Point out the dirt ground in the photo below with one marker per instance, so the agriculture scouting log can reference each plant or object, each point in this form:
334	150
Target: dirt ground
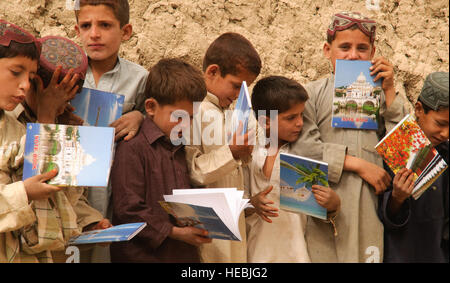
288	34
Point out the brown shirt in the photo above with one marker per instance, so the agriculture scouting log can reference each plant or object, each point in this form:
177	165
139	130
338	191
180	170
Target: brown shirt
144	169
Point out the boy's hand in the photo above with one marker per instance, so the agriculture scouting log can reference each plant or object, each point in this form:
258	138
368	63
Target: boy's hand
128	125
36	187
403	185
376	176
239	146
384	70
101	225
191	235
260	202
326	197
51	101
69	118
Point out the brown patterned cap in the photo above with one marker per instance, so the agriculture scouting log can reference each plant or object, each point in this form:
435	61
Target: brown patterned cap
60	51
344	20
10	32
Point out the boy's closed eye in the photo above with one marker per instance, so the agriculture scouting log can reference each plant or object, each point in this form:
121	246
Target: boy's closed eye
15	73
237	86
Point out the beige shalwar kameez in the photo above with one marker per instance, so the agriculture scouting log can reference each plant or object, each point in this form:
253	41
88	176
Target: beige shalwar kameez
283	240
212	165
360	237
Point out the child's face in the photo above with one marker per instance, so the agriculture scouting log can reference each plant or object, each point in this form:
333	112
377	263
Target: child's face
16	75
100	32
226	88
290	123
161	115
349	45
434	124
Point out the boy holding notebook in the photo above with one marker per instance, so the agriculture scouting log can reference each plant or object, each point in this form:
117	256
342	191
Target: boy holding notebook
25	211
213	162
355	169
151	165
102	26
275	235
417	230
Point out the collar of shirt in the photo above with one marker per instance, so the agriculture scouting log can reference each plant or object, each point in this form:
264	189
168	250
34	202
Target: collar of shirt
214	100
154	134
90	75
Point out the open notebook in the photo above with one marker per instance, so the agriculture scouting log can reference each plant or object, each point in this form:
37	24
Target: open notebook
215	210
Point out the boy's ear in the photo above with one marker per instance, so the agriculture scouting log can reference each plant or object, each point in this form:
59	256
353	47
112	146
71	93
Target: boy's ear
127	31
327	50
150	106
77	30
212	71
418	109
373	51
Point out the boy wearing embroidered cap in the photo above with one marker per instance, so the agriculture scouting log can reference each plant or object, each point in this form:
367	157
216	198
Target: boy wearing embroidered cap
417	230
19	54
47	102
355	169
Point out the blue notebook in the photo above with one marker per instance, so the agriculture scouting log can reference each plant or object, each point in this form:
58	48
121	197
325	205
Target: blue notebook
119	233
98	108
82	155
297	175
200	217
242	111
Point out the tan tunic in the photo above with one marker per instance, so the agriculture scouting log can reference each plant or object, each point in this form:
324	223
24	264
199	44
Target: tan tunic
15	211
77	196
213	166
283	240
360	236
74	198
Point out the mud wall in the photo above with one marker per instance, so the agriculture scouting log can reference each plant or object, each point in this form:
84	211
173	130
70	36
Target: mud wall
288	34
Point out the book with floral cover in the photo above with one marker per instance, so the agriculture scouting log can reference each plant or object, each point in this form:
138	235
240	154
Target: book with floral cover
297	176
406	146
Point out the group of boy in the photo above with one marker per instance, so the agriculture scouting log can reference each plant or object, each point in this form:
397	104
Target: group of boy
37	219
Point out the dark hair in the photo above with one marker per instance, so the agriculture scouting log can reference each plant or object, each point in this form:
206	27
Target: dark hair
277	93
120	8
15	49
172	80
232	51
